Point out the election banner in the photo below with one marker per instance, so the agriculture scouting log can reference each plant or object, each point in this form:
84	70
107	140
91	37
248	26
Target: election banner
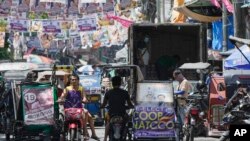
38	102
23	6
5	6
57	9
19	25
154	114
39	6
51	26
2	39
86	24
36	26
73	7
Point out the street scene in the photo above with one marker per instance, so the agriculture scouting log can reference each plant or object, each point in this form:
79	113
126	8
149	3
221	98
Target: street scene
124	70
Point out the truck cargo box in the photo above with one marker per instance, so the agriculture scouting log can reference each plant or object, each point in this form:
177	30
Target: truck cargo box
148	42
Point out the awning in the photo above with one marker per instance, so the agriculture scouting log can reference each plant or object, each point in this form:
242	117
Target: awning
197	65
200	10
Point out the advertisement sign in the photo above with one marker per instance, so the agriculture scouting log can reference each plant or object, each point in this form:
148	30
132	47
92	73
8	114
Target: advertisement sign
91	83
19	25
87	24
38	104
52	26
154	114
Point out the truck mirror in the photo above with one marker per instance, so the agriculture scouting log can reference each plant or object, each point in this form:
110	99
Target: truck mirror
221	87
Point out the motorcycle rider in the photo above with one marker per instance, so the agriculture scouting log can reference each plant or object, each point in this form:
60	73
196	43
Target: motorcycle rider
74	94
116	98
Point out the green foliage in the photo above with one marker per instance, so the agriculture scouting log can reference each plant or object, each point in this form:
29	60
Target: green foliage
44	15
3	23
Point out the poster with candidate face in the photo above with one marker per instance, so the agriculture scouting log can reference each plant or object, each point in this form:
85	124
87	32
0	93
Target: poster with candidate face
5	6
51	26
38	102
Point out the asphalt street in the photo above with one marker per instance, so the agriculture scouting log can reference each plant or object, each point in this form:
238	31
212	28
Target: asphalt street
100	133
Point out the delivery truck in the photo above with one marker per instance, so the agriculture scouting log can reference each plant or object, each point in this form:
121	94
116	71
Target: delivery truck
168	44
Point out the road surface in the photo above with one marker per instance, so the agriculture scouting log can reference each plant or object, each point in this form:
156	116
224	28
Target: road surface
100	133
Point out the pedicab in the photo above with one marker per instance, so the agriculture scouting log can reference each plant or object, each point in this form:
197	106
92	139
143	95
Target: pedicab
13	73
37	112
217	100
92	87
155	114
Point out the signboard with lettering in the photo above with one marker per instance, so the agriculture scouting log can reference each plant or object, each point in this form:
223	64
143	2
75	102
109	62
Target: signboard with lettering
154	115
38	102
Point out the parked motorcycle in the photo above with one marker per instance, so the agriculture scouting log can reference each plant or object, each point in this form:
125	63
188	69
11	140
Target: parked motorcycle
238	112
72	123
6	111
196	115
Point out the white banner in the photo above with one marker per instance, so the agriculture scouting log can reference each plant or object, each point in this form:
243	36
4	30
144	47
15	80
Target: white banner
87	24
92	1
19	25
51	26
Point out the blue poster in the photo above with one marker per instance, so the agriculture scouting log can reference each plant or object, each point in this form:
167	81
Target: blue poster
91	83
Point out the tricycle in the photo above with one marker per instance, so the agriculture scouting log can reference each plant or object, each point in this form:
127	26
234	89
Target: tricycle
38	113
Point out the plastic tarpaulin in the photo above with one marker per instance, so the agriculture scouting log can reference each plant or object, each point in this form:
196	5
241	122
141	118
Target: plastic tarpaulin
237	61
218	32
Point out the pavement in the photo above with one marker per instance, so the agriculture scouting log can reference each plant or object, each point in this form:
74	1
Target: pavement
100	134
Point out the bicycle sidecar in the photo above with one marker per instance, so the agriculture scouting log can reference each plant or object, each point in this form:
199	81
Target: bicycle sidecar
38	113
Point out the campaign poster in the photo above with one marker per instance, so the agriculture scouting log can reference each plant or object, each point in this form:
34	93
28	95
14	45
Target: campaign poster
73	7
66	25
36	26
5	6
2	39
38	105
101	37
86	39
57	9
91	83
33	42
108	9
23	6
154	115
19	25
87	24
92	8
46	39
51	26
39	6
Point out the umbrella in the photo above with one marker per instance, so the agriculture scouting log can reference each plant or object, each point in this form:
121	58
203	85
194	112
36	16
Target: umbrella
237	61
37	59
